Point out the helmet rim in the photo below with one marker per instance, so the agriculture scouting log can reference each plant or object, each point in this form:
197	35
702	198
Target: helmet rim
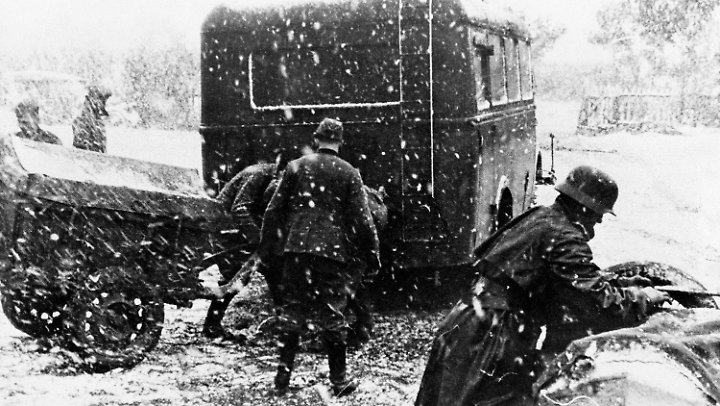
592	188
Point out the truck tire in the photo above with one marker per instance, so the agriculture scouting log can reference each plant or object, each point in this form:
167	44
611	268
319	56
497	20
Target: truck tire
663	274
34	317
116	322
30	305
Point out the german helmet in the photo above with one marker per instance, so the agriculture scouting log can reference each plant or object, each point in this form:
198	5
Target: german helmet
590	187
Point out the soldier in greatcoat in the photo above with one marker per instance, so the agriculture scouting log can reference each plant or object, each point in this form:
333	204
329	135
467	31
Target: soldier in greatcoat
89	127
28	116
317	213
536	280
245	197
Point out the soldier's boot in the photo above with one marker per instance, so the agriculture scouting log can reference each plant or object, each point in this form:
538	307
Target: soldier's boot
289	343
212	328
342	384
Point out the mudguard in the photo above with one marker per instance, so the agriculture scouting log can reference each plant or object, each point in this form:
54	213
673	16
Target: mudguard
672	359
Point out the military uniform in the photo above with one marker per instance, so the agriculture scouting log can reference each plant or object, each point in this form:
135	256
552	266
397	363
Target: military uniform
536	271
89	128
317	214
28	115
89	132
40	135
244	197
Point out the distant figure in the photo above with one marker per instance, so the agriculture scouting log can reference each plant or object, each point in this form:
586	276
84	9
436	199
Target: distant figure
28	116
88	127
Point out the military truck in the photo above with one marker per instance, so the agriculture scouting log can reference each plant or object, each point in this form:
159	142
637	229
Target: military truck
436	97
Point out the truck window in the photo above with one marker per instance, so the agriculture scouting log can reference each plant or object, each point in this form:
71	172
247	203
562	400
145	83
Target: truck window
497	69
512	69
526	85
324	76
481	70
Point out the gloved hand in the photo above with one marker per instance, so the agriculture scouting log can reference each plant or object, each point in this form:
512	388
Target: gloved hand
636	280
646	298
656	297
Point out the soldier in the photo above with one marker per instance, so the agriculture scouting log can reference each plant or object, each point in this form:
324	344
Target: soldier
318	210
89	128
28	116
245	198
536	271
358	302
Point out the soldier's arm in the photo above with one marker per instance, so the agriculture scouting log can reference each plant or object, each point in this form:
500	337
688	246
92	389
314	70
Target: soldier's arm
361	222
51	138
273	224
245	202
572	263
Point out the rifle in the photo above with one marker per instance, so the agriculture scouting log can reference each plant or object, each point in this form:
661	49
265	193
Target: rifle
690	291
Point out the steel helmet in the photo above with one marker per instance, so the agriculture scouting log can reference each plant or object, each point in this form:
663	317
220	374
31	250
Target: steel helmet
329	130
590	187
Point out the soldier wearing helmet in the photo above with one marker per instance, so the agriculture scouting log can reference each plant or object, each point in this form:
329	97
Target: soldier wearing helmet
537	290
317	220
28	116
88	127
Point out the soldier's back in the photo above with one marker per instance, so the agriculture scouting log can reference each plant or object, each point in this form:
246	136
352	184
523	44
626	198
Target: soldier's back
89	132
320	193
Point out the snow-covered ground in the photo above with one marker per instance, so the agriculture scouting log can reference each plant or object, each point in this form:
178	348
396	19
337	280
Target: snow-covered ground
178	148
668	211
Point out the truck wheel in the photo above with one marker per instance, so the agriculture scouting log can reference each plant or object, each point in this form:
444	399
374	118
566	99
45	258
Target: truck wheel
116	324
36	317
663	274
30	306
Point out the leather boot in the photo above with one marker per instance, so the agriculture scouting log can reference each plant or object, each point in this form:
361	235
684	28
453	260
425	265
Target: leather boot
289	343
341	384
213	327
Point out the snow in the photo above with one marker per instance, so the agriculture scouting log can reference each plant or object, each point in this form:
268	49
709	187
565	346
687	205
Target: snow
667	212
667	209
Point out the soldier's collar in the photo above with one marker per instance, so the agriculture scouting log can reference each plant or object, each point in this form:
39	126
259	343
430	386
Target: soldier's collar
328	151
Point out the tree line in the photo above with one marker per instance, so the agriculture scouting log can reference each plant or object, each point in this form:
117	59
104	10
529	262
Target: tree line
657	46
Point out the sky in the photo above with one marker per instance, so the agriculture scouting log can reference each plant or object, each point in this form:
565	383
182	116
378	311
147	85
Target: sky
579	18
36	25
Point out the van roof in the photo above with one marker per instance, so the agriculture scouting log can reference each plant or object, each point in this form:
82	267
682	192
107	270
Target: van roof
239	15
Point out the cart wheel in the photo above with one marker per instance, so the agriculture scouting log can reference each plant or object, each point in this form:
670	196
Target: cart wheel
662	274
36	317
31	306
115	326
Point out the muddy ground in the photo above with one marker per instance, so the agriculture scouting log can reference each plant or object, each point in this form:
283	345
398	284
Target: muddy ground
668	211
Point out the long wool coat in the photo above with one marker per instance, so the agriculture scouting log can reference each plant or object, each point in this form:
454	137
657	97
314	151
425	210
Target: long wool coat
537	289
320	208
